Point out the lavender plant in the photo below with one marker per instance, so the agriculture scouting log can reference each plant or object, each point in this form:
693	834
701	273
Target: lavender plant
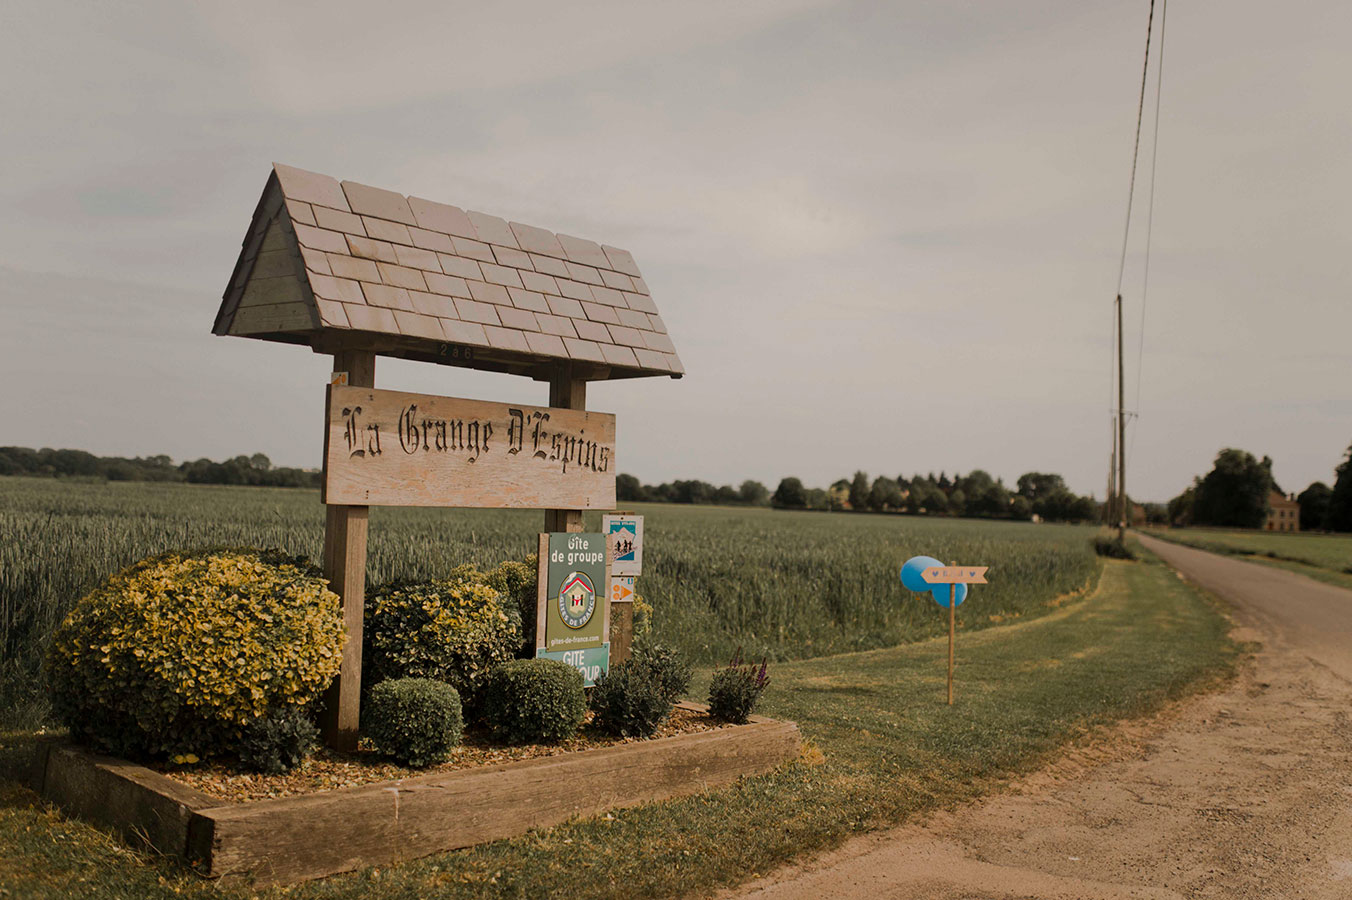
735	689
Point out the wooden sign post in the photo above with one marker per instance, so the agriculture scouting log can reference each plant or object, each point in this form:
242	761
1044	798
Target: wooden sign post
624	555
344	565
953	576
566	392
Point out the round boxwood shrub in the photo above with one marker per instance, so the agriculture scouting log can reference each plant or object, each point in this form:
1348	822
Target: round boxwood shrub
415	720
178	653
453	629
530	701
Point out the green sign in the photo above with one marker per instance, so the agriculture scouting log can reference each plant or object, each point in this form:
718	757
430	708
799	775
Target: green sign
591	662
576	606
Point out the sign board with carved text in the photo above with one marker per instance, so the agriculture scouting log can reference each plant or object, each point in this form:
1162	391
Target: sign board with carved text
955	575
391	448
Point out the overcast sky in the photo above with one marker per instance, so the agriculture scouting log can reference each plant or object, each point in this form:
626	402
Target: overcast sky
883	235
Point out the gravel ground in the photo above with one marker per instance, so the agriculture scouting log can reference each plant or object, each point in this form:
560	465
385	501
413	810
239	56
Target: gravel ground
328	770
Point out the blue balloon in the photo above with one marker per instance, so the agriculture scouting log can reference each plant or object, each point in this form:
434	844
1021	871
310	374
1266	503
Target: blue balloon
912	578
912	573
940	592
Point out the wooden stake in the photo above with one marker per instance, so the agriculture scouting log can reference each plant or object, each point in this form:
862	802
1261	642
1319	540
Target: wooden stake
952	627
345	529
622	646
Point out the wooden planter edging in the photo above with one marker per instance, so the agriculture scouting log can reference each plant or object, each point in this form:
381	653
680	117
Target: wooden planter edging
312	835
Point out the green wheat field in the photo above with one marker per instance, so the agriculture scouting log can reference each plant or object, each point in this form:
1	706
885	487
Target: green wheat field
787	585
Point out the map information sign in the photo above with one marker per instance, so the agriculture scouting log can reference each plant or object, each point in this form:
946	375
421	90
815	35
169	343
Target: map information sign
624	542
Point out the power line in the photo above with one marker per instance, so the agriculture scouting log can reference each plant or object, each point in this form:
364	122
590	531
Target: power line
1150	210
1136	148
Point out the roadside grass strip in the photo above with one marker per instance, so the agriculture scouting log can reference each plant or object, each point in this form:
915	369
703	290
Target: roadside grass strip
1323	557
882	748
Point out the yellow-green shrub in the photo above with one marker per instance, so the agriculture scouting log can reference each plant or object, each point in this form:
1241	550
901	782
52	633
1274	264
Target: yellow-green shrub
452	629
178	653
642	633
519	583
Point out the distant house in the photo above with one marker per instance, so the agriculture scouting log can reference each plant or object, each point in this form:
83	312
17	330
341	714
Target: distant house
1283	513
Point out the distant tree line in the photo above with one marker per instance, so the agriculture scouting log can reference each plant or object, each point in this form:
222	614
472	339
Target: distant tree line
49	463
974	494
1235	494
629	489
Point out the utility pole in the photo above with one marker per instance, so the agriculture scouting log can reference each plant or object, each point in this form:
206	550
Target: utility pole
1121	433
1110	499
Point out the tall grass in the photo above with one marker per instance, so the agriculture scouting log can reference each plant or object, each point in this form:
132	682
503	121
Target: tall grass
785	585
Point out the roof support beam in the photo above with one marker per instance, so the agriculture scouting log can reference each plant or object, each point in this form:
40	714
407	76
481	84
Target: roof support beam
566	391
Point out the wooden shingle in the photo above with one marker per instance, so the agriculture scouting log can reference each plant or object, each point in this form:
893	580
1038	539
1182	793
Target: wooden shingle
341	264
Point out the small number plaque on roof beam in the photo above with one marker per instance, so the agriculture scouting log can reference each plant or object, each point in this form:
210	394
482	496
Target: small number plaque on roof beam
390	448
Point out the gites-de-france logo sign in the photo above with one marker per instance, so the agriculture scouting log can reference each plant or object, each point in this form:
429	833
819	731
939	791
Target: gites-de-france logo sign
577	600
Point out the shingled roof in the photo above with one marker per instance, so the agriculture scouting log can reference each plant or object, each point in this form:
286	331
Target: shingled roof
334	264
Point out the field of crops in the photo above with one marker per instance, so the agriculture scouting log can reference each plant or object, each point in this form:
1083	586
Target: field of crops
783	584
1325	551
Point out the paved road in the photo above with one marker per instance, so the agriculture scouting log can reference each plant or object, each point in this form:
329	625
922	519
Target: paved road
1245	793
1289	610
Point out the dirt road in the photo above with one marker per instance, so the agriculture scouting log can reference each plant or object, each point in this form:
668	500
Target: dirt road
1246	793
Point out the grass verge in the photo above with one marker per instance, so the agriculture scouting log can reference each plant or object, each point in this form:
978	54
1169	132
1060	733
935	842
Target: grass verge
1326	565
884	748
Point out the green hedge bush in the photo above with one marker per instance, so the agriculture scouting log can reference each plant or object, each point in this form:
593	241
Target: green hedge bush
529	701
1111	547
453	630
628	702
735	690
636	696
277	741
179	653
415	720
667	666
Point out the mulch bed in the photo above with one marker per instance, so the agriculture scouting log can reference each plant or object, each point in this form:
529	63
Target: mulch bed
329	769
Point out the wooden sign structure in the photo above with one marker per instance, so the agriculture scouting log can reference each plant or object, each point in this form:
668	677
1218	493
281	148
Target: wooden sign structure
953	576
357	272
